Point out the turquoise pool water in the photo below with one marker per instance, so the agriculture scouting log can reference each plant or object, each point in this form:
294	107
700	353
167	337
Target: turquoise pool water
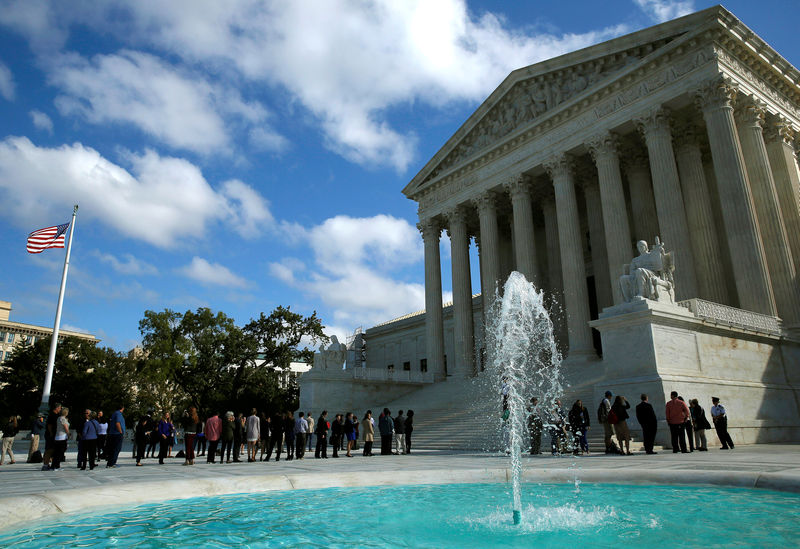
456	515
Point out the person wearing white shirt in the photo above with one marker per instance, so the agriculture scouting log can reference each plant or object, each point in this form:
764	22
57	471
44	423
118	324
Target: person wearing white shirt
720	419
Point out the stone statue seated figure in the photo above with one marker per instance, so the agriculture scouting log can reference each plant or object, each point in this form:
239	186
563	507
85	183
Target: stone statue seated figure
333	357
649	275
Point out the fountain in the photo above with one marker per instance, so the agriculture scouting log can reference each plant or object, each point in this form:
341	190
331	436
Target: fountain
524	362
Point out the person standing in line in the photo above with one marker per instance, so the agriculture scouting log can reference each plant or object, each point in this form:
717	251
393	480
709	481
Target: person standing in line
608	427
275	436
535	426
238	436
409	428
579	423
89	437
141	436
102	435
153	438
60	440
368	428
288	435
300	430
399	434
10	431
385	426
677	412
165	433
720	419
37	430
213	432
190	423
355	431
116	433
77	428
266	435
349	432
51	426
311	433
687	427
228	425
336	434
646	416
252	434
200	439
321	432
620	409
700	425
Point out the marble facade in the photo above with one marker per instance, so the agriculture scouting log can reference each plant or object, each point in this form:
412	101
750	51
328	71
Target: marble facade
685	131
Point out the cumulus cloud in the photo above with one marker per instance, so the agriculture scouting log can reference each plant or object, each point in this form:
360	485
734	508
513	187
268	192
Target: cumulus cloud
664	10
357	268
161	200
7	87
349	64
128	264
172	105
212	274
41	121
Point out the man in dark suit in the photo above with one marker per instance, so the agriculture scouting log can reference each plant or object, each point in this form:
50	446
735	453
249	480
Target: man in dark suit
646	417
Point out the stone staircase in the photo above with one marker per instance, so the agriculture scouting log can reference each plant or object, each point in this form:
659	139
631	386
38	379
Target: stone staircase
464	415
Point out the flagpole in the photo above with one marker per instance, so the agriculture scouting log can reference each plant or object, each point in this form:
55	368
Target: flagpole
51	359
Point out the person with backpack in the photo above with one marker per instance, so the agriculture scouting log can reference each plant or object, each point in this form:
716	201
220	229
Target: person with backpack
89	439
608	427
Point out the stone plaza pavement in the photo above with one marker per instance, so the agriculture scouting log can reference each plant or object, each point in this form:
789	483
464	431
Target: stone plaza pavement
27	493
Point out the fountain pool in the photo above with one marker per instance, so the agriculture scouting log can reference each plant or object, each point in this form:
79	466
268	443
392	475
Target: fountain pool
450	515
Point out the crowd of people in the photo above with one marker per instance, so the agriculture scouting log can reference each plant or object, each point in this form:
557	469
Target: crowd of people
221	438
568	430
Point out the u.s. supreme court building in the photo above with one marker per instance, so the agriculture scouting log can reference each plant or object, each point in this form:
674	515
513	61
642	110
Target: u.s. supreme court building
685	131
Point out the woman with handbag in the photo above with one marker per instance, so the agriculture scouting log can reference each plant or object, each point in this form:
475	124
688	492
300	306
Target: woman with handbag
619	409
700	425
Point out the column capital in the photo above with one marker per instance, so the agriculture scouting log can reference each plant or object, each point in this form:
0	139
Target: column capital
717	93
655	121
603	145
635	158
559	165
518	186
485	202
779	129
688	136
456	215
750	111
430	228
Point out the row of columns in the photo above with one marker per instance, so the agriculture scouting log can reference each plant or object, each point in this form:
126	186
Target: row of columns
758	191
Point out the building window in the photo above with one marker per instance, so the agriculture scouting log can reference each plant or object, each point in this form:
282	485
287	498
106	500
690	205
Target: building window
11	338
407	366
391	367
29	340
1	356
2	337
423	365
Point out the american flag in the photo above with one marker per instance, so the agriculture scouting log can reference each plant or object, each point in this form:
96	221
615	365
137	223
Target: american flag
49	237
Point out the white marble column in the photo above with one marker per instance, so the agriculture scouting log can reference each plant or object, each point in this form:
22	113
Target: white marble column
736	201
555	285
699	215
490	245
779	137
576	298
643	204
749	119
519	188
464	363
617	232
603	283
655	127
434	328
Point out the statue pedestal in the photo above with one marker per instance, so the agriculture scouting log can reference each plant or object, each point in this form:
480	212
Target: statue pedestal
654	348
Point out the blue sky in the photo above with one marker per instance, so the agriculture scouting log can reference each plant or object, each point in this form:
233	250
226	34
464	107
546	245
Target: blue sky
242	155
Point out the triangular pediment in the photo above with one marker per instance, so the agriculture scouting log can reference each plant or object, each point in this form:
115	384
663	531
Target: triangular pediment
532	93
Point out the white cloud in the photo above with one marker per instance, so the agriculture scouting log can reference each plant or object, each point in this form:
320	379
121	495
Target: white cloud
173	105
348	63
356	271
664	10
129	264
41	121
71	328
268	140
213	274
161	200
7	87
